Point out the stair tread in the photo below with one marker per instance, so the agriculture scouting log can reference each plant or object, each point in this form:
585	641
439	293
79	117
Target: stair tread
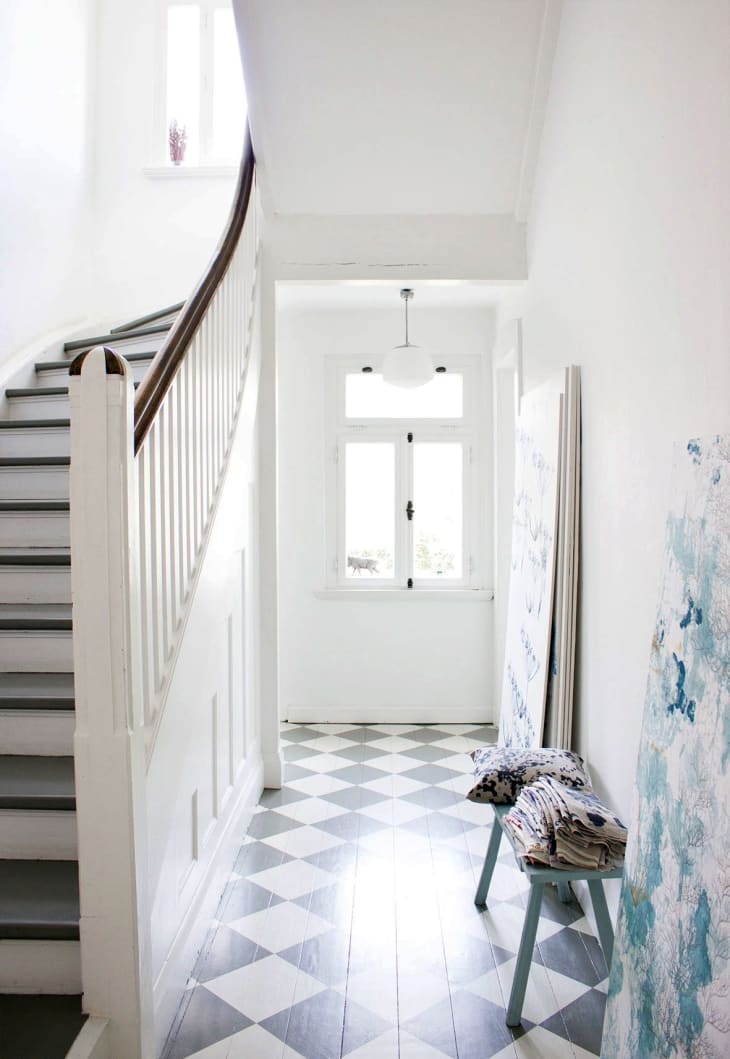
40	1027
39	899
35	557
34	505
35	391
36	691
34	424
111	337
29	616
142	320
58	365
35	461
40	391
35	782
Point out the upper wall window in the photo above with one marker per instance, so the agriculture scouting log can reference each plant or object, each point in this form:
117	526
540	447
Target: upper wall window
205	101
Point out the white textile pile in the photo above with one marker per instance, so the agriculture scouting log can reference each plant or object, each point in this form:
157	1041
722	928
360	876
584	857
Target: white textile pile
561	827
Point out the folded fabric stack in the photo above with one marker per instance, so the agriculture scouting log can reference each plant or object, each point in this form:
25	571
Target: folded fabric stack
562	827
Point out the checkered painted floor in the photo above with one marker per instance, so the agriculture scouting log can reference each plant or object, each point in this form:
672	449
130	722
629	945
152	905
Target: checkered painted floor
348	927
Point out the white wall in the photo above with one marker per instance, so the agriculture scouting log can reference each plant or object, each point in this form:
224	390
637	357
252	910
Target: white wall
44	189
153	236
371	660
206	764
86	236
628	276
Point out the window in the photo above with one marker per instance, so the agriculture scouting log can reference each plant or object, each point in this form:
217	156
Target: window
203	86
402	479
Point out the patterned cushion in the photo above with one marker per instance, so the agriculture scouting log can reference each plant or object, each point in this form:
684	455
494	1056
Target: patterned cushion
501	771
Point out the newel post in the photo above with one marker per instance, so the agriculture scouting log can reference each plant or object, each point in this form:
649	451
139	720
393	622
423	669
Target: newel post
109	740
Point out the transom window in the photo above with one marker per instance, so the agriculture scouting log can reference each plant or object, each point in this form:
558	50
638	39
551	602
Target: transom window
403	477
203	92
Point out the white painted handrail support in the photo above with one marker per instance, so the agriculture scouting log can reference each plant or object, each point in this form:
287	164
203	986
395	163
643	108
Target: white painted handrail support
109	743
181	464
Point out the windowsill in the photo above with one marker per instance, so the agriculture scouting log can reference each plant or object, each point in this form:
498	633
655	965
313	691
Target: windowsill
184	172
391	595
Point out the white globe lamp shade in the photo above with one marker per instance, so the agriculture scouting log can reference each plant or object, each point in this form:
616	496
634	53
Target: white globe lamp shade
407	366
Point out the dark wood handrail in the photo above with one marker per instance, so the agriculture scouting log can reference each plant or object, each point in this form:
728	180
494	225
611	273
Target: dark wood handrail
167	361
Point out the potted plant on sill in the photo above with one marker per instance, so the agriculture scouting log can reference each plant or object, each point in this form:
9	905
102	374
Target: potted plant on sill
178	139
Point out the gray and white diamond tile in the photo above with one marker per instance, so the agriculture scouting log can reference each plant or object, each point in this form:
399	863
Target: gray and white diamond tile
348	926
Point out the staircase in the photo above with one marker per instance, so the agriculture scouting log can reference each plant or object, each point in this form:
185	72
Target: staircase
39	900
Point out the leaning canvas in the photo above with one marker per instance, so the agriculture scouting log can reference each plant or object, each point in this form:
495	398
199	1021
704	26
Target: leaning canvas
532	574
669	992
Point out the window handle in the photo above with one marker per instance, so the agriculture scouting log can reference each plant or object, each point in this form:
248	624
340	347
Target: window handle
409	510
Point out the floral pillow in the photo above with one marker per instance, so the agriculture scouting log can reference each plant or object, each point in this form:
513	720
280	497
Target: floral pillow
500	772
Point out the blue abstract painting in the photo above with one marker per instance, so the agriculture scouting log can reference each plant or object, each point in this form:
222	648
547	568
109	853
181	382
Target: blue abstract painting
669	991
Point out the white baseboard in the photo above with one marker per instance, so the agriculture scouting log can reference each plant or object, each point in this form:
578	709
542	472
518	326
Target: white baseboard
203	902
389	714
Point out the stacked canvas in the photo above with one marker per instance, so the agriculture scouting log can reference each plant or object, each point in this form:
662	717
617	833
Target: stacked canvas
559	711
540	636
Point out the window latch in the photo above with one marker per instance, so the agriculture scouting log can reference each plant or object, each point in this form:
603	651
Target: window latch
409	510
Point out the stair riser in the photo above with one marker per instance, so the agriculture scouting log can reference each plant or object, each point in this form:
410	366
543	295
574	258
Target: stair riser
47	733
167	318
34	483
129	345
37	835
38	407
34	529
40	967
37	441
59	376
35	584
36	652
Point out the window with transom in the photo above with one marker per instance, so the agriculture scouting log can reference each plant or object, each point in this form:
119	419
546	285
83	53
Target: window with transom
403	480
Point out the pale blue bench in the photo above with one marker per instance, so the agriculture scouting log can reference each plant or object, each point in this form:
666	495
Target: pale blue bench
538	877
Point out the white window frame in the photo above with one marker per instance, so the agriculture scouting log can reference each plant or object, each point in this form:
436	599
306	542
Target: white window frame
341	430
159	152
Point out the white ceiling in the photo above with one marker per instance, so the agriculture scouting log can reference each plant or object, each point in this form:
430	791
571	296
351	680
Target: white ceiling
396	106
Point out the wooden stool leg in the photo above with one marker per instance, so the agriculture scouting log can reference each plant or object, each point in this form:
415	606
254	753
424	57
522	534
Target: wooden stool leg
480	898
564	892
603	920
524	956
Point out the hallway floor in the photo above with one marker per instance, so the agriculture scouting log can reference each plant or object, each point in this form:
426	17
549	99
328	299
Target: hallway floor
348	927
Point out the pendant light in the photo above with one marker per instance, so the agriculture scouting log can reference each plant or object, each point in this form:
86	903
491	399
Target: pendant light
408	365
